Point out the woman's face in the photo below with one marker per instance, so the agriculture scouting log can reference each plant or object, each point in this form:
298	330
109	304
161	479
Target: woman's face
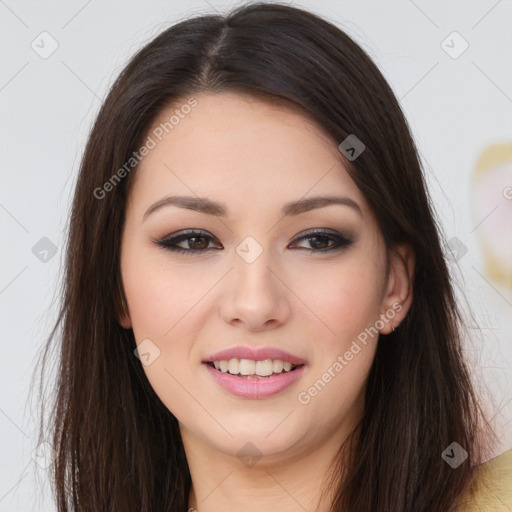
250	280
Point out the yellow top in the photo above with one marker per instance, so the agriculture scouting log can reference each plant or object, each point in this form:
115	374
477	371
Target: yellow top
492	491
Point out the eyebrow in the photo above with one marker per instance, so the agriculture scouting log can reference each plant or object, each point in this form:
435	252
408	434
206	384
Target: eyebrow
209	207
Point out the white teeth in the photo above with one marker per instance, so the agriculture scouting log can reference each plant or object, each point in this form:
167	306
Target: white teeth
278	366
262	368
233	366
246	367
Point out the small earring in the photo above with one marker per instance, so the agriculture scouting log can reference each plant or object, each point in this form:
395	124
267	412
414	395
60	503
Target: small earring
393	329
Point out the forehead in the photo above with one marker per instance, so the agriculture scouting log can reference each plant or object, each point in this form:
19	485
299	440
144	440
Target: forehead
243	147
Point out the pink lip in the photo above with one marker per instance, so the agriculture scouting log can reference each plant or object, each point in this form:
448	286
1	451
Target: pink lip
253	387
256	354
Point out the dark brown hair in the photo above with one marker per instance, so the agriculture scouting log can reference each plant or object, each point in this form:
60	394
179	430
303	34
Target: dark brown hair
118	447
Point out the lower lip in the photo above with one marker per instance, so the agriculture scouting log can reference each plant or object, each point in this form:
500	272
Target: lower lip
255	388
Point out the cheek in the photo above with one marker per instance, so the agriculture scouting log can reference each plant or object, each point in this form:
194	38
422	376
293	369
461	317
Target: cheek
335	389
342	299
159	296
346	306
166	308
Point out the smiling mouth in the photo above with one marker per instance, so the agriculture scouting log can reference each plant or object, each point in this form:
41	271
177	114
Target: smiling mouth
247	369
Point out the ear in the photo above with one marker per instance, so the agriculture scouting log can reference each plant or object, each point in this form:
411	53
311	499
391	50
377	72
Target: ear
399	291
125	321
123	317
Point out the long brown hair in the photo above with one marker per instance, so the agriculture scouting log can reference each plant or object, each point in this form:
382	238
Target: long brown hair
117	446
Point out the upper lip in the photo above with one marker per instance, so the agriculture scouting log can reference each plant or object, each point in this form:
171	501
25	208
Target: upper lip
256	354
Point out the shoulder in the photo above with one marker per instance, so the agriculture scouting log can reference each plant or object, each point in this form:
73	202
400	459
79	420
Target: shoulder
492	489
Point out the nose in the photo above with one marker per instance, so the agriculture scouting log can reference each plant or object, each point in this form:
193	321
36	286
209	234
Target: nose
256	295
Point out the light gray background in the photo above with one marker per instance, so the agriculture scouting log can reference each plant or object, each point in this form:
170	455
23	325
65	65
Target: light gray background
455	107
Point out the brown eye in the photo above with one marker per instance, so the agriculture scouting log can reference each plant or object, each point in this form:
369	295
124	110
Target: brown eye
319	241
195	242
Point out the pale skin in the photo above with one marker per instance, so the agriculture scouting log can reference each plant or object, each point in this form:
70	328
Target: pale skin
254	157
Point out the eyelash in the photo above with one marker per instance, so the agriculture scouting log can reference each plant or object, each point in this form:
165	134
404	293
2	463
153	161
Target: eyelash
169	243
